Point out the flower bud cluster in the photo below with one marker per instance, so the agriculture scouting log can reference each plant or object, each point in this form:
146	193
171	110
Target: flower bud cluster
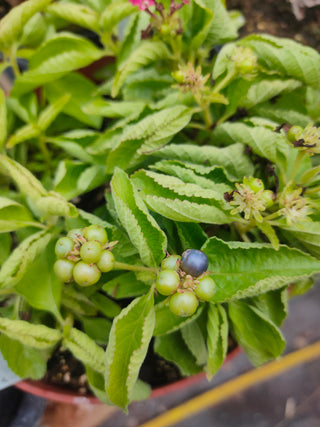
307	139
294	206
250	198
245	61
190	79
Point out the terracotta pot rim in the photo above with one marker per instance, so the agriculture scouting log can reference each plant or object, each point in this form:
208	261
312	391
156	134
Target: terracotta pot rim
57	394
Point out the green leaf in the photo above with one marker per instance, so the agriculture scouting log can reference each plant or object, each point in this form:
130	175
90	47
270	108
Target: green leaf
74	178
55	204
25	181
146	53
288	107
85	349
201	22
173	348
141	139
24	361
78	14
58	56
142	229
12	25
232	158
5	247
81	91
167	322
194	339
39	285
77	302
242	270
114	13
37	336
96	384
34	31
128	344
14	268
264	142
125	286
22	134
217	340
191	235
286	56
274	304
48	115
13	216
113	109
308	234
25	107
265	88
180	201
97	328
3	119
189	174
108	307
260	338
75	143
223	27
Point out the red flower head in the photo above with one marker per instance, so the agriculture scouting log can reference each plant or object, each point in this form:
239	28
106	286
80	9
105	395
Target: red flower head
143	4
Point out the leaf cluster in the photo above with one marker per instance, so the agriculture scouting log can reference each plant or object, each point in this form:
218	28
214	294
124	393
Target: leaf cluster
154	136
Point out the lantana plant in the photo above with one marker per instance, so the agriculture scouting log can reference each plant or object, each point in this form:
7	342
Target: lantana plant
160	187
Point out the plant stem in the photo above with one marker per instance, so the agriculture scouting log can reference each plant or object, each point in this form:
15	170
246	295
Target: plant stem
272	216
223	83
124	266
196	125
45	151
312	190
296	165
13	61
207	116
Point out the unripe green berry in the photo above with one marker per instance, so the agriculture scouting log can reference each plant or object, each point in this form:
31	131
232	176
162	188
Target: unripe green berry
183	304
294	133
75	233
178	76
91	251
268	198
63	246
255	184
167	282
206	288
95	232
165	29
106	261
86	274
246	66
172	262
63	269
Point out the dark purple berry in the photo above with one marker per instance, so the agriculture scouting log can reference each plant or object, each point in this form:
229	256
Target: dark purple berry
194	262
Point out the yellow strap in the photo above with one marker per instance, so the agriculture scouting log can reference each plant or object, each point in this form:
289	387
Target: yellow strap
235	386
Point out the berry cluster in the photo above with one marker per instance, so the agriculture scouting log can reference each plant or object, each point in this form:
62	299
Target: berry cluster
184	281
83	255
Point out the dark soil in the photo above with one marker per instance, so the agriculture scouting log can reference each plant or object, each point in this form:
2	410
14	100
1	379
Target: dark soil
277	18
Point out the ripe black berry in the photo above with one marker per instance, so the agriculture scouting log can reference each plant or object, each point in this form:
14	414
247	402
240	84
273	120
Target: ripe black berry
194	262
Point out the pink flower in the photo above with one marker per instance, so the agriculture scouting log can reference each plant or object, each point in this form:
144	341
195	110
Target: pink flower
143	4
